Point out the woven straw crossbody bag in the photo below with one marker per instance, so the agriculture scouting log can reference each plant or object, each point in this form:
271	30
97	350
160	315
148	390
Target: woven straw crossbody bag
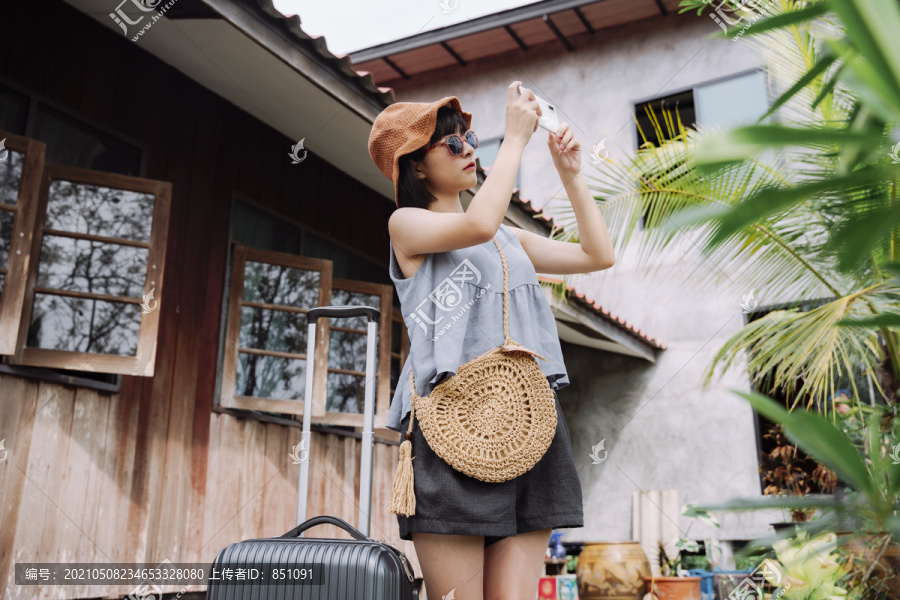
493	420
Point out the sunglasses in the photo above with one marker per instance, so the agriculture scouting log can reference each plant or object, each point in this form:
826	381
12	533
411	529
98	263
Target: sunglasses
455	143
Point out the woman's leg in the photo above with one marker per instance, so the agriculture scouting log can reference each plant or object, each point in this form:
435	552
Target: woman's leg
513	566
451	562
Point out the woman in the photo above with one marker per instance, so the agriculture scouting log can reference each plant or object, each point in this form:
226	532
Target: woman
478	539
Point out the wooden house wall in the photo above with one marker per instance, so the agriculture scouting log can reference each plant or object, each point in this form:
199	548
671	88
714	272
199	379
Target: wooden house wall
152	472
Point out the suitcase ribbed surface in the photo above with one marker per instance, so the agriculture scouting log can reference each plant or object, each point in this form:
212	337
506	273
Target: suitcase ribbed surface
353	570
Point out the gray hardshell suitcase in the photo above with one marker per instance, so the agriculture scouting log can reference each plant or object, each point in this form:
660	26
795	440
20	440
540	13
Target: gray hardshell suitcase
294	567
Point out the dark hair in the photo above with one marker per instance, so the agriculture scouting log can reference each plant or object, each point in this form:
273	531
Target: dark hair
410	189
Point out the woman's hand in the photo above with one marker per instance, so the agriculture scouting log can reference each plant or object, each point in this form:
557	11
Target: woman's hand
565	151
522	113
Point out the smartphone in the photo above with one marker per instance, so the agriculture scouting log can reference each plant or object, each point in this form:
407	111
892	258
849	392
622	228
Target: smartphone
549	120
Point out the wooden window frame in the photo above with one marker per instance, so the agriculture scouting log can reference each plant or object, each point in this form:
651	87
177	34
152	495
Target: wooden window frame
382	351
15	272
143	363
227	397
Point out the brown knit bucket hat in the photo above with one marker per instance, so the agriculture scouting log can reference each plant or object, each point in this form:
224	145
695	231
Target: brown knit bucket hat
404	127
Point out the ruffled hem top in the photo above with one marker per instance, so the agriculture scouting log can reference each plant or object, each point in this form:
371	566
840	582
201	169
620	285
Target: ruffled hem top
453	310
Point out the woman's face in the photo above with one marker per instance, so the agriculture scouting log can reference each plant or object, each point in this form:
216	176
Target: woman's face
445	173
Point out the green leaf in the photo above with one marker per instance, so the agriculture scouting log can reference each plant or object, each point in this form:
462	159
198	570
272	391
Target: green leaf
873	27
745	142
692	511
767	202
788	18
819	438
820	67
856	238
889	320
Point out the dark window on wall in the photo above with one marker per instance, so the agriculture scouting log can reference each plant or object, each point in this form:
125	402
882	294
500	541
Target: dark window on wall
71	142
723	103
351	280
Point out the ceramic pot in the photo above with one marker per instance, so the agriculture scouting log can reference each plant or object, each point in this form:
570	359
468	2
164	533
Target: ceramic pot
675	588
612	571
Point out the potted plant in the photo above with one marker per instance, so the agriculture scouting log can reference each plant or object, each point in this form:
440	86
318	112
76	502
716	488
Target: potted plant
674	582
807	568
786	472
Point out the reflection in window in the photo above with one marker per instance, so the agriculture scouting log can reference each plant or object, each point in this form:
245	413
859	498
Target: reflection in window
88	291
10	176
274	330
347	354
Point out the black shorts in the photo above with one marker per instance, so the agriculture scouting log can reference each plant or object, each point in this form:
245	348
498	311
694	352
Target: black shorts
449	502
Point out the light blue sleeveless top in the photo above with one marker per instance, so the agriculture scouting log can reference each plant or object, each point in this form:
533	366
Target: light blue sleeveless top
453	310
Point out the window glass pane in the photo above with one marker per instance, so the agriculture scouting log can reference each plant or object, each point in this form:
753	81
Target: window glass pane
6	228
95	267
84	325
10	177
277	284
76	144
270	377
732	102
487	152
97	210
13	110
347	350
258	229
276	330
346	393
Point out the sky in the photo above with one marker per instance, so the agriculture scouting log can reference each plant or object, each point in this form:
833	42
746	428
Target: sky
350	25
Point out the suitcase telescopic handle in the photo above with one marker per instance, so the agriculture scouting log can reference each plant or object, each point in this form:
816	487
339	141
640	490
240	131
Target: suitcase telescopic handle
314	314
326	520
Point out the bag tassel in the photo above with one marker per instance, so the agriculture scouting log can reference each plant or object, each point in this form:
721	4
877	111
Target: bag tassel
403	496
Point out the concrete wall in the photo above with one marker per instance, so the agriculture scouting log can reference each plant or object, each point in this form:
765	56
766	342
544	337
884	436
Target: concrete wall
662	430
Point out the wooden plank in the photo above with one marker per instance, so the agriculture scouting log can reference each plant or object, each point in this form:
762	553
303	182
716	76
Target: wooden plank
212	500
18	404
274	465
249	516
113	484
223	169
46	471
178	459
78	501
